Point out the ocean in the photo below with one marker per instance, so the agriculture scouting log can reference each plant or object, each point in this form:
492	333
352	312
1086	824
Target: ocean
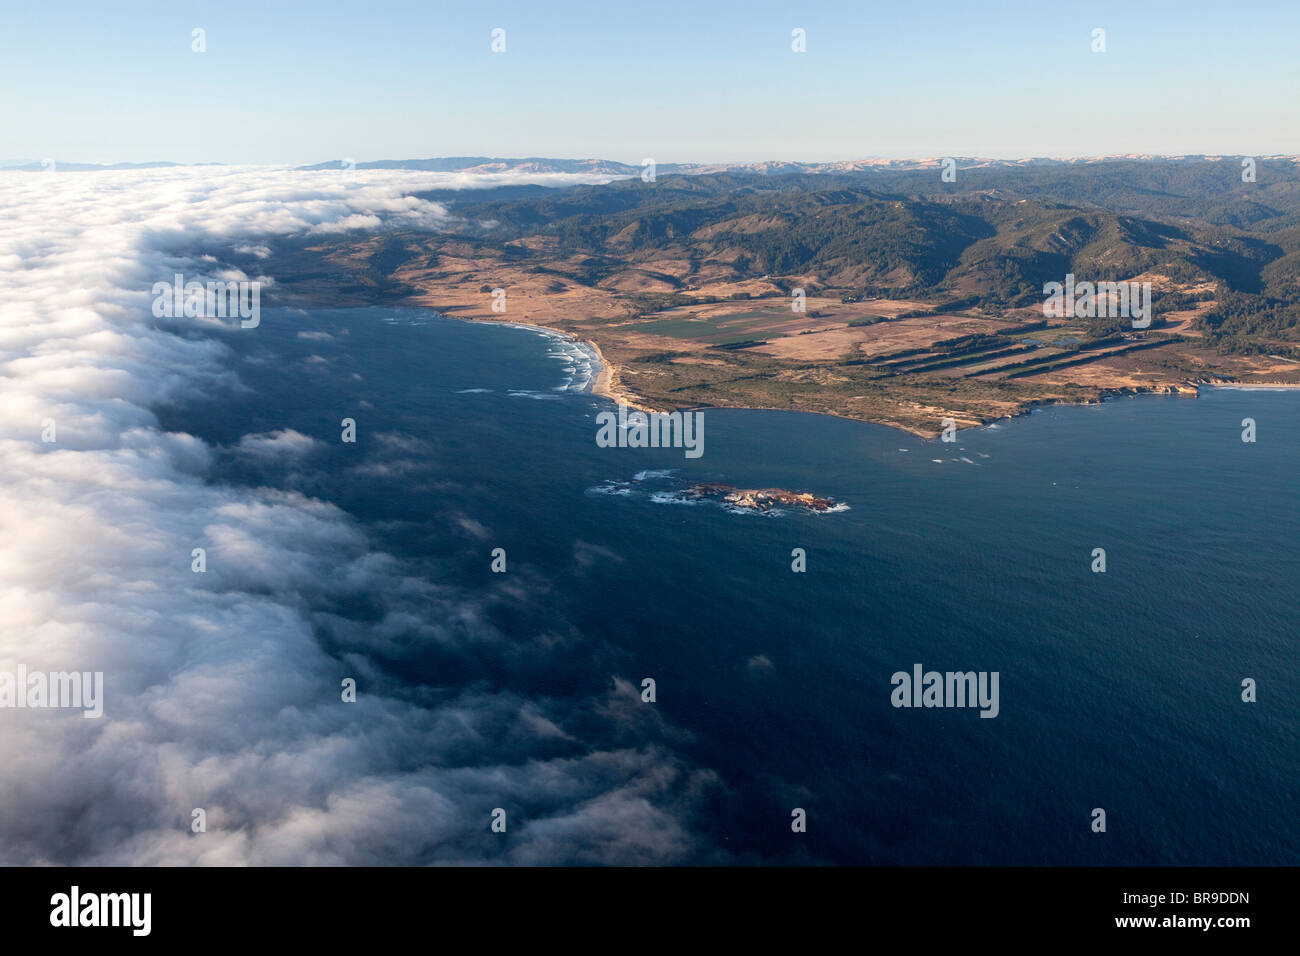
1120	691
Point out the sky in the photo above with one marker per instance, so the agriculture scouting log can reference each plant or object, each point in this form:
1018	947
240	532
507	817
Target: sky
290	82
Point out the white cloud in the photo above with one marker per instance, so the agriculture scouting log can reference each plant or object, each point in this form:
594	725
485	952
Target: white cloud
220	692
278	445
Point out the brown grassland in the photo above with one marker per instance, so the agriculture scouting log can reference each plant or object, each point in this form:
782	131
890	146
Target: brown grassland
728	342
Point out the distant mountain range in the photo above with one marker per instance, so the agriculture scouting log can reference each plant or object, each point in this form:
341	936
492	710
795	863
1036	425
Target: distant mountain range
607	167
534	164
487	164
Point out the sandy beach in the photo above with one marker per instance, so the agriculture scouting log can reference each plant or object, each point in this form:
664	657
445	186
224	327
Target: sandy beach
607	384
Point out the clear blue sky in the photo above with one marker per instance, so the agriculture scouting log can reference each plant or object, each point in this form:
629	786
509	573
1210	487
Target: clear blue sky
709	80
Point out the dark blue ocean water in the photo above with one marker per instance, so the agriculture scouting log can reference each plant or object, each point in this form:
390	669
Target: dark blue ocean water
1119	690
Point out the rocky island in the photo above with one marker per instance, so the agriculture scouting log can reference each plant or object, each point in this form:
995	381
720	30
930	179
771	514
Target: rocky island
759	499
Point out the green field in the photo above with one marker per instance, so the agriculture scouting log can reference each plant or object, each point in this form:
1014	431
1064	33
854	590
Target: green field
719	330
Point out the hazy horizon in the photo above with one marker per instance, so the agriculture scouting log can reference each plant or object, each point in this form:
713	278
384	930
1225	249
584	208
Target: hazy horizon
526	156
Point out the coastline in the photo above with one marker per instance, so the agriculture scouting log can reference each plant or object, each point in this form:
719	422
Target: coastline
608	384
1248	386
